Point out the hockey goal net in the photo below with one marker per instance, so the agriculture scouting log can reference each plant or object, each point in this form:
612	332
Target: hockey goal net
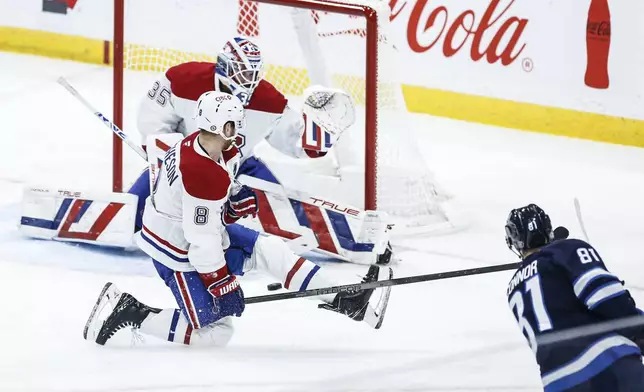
344	44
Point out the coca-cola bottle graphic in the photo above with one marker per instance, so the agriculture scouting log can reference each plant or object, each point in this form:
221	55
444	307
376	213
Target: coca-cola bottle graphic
597	44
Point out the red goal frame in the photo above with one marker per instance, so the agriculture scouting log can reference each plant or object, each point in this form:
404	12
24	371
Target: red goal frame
371	85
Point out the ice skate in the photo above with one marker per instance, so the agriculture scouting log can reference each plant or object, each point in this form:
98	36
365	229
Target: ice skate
366	305
126	312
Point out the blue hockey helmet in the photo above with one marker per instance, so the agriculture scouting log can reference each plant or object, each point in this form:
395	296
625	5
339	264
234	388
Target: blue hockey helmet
528	228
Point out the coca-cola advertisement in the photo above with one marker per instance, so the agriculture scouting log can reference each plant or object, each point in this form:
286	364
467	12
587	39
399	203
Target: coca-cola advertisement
585	55
493	34
598	44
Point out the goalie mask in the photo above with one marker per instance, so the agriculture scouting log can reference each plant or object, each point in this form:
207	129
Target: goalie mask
239	66
215	109
528	228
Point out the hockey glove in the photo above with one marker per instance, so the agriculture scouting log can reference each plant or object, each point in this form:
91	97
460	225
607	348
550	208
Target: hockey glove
228	296
327	113
243	203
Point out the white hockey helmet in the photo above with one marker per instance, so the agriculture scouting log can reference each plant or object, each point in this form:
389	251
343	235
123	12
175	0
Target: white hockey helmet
239	67
215	109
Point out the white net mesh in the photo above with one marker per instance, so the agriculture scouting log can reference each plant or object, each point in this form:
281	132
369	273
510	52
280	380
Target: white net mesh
301	46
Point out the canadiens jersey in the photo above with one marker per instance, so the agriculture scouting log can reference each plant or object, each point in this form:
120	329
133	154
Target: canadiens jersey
182	221
170	105
566	285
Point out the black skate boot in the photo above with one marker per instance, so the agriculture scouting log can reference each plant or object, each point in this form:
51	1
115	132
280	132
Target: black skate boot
127	311
385	257
363	305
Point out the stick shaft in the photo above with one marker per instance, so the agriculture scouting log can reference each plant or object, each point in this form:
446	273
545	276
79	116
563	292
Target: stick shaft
590	330
63	82
580	219
382	283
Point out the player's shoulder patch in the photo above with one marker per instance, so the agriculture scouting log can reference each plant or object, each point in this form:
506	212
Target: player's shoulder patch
267	98
202	177
190	80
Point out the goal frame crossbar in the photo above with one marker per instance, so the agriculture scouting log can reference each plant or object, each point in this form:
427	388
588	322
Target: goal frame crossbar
371	85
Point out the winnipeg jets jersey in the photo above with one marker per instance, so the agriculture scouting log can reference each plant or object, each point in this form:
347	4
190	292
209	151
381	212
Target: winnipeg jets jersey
566	285
182	224
170	104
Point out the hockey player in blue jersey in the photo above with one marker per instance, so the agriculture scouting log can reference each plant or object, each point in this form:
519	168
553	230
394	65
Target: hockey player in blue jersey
564	284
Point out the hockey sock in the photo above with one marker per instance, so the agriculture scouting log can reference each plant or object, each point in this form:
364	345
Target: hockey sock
171	325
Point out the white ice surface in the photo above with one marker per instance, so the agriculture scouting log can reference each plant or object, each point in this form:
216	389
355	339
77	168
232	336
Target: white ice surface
451	335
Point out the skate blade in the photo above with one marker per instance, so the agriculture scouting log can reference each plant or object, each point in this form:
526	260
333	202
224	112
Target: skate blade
109	295
375	315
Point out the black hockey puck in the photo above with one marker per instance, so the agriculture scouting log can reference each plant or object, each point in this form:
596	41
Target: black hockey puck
561	233
274	286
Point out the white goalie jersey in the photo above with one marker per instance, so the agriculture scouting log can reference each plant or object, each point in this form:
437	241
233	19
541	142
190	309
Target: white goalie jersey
170	105
182	219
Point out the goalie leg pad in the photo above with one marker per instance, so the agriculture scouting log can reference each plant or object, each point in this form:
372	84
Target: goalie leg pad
101	218
273	255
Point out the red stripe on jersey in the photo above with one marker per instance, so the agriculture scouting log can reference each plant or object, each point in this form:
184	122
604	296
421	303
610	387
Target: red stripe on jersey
319	227
267	98
190	80
293	271
164	242
203	178
268	220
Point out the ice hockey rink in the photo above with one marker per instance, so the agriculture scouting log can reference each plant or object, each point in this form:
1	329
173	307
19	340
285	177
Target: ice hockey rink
449	335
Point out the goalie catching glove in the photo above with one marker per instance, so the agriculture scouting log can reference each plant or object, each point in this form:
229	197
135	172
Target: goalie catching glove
327	113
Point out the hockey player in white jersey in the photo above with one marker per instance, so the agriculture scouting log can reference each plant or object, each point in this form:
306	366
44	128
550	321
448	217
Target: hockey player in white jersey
189	231
306	134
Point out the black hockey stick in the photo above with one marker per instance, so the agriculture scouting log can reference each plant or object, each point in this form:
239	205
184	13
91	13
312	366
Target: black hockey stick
383	283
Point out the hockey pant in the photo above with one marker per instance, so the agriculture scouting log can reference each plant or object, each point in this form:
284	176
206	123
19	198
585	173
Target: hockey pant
624	375
252	167
196	321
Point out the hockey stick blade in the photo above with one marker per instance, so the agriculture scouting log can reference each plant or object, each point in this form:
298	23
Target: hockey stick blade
383	283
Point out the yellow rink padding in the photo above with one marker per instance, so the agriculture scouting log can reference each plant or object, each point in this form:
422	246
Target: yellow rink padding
478	109
62	46
525	116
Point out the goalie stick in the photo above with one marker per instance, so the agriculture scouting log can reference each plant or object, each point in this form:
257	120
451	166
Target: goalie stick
122	135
